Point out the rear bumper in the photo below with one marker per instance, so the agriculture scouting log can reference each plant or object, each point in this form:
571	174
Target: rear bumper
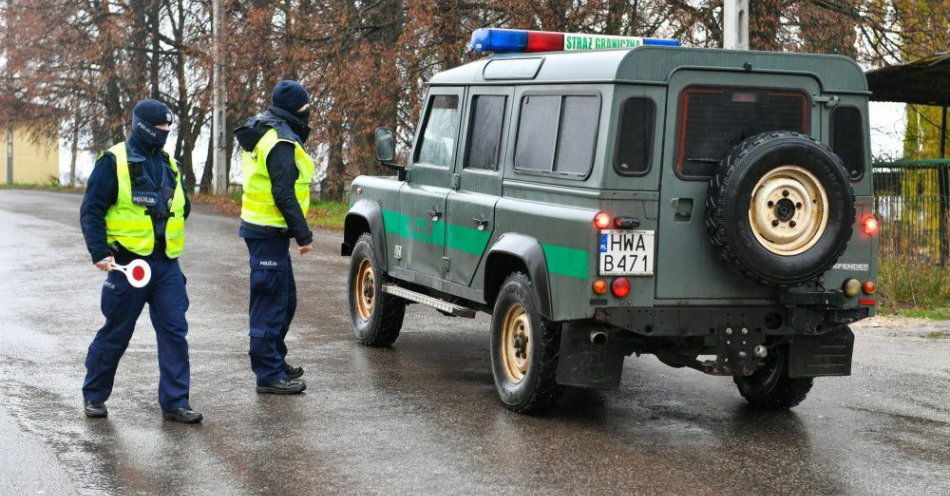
705	321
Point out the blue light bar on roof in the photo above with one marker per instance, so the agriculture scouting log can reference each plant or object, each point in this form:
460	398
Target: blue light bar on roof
516	40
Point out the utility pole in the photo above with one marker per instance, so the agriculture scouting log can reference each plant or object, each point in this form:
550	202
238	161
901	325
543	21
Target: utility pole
218	104
735	24
8	90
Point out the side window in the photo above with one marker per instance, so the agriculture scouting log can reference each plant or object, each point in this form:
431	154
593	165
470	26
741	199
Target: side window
635	136
714	119
439	131
537	133
847	139
557	134
484	131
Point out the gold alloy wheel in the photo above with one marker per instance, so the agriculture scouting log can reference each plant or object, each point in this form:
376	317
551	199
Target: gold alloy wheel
516	343
788	210
365	285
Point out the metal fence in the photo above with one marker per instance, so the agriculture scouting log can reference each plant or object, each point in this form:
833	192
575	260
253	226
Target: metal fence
911	201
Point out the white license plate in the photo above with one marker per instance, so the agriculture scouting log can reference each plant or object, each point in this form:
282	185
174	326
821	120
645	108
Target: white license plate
626	253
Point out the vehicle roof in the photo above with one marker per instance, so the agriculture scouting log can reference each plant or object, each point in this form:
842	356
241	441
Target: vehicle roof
655	65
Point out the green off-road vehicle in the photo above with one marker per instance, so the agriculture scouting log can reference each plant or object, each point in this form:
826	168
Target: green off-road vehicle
711	207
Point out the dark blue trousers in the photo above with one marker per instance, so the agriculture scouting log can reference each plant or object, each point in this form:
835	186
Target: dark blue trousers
122	304
273	303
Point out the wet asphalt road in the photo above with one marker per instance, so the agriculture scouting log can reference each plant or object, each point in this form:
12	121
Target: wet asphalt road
423	415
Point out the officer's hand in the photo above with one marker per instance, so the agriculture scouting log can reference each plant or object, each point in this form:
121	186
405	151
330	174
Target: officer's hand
105	264
305	248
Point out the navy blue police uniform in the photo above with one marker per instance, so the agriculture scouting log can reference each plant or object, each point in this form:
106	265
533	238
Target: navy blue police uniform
153	184
273	291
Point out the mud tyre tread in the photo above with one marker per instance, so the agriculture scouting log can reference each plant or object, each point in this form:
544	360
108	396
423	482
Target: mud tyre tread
389	311
770	388
539	391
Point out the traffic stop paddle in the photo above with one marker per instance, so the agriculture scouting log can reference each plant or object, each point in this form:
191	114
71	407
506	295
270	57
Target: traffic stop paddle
137	272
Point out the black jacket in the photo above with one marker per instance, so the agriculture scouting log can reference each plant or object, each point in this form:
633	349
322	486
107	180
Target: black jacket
282	168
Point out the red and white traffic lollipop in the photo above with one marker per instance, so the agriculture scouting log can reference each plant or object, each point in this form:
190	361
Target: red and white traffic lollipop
137	272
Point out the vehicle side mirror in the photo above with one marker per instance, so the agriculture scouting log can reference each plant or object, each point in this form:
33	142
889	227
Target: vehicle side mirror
385	145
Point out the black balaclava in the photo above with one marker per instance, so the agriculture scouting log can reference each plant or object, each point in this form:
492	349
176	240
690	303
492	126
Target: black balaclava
145	116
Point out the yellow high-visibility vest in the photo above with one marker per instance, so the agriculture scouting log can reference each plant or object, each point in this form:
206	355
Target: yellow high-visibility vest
131	225
257	203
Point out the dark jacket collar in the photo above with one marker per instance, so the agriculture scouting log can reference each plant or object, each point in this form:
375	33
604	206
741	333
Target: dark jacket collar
287	125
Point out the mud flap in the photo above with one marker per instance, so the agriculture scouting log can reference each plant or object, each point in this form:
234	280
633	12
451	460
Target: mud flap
824	355
590	356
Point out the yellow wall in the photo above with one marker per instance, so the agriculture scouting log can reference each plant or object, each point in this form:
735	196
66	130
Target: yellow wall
33	161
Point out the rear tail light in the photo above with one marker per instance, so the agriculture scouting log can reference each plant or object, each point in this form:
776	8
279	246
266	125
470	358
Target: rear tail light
620	287
866	302
602	220
868	287
600	286
870	226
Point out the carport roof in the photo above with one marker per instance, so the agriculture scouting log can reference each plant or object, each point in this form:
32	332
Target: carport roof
925	81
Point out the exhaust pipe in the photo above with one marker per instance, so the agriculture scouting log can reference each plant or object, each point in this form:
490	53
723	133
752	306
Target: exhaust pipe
598	337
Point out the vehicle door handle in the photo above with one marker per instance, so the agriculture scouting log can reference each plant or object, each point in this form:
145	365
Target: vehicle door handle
435	214
480	223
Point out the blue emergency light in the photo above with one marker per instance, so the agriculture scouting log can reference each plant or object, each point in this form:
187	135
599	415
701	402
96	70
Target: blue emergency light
517	40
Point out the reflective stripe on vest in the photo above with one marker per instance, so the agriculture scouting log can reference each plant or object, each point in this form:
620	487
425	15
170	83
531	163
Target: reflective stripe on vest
130	224
257	203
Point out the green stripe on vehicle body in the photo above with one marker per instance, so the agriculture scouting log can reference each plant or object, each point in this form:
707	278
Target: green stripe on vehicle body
467	239
565	261
561	260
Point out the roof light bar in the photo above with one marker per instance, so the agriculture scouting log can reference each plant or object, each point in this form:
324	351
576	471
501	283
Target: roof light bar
517	40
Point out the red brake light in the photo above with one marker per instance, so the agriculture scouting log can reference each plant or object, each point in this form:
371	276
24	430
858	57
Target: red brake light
870	226
602	220
620	287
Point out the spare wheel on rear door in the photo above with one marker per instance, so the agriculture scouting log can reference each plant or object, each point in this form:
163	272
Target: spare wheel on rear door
780	208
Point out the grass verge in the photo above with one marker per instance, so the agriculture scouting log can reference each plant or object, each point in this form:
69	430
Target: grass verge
324	214
912	288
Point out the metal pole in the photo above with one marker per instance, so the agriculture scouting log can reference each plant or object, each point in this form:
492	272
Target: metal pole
10	151
219	103
8	73
944	178
735	21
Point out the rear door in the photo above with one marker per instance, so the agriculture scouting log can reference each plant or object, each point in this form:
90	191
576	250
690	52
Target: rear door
421	217
710	112
471	208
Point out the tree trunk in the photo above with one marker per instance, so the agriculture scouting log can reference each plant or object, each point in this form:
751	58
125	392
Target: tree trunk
206	172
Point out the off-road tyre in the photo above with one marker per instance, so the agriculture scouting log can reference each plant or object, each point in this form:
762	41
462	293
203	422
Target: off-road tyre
385	320
538	390
771	388
728	208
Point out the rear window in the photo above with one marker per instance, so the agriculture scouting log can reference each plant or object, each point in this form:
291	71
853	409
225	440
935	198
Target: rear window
556	134
847	139
714	119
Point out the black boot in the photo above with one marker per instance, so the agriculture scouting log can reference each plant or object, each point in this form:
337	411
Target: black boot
184	415
95	409
293	372
283	387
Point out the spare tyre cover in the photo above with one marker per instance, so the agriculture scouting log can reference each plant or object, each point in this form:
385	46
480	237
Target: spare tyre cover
780	208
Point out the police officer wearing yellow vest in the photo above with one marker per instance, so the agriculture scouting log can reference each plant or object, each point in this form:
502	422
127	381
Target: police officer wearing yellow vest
277	176
135	208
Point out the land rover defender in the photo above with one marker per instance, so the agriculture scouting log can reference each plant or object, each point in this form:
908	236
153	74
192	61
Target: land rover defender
707	206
